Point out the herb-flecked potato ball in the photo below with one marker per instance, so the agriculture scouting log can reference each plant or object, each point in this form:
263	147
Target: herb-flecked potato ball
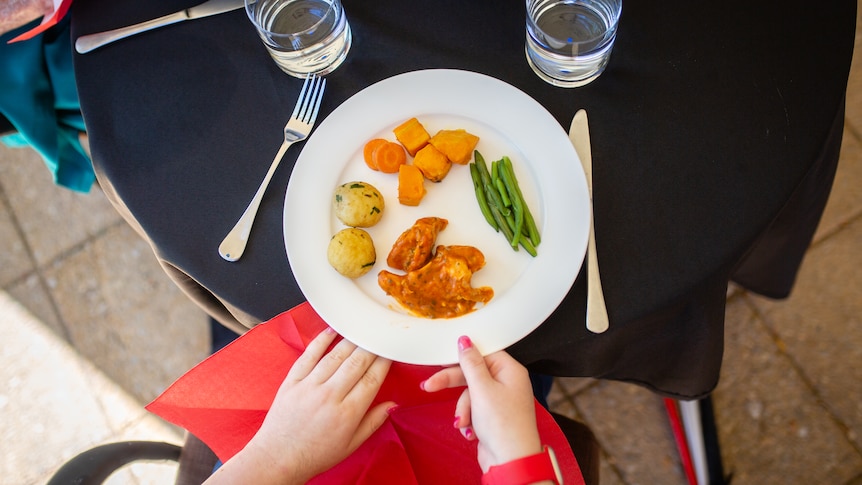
358	204
351	252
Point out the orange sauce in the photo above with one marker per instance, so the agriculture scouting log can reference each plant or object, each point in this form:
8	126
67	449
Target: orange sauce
441	288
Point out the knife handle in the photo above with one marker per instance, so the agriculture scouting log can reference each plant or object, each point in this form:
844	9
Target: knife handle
87	43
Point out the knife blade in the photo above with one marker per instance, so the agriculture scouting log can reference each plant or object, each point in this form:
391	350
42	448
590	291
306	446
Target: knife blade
89	42
597	313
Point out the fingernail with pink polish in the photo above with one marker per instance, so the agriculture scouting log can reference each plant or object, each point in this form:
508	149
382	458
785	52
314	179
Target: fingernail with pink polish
391	409
457	420
464	342
422	384
468	433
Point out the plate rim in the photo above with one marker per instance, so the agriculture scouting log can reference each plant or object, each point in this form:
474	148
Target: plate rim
564	274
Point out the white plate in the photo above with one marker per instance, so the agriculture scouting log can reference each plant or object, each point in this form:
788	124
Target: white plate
508	122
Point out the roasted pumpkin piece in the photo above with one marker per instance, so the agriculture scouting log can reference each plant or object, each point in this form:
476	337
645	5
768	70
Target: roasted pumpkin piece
412	135
411	185
457	145
433	163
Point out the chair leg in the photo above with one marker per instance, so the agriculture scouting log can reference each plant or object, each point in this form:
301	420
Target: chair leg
715	467
95	465
681	434
701	440
196	462
584	446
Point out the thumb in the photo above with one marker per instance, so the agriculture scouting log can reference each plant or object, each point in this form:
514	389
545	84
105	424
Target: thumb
472	363
371	422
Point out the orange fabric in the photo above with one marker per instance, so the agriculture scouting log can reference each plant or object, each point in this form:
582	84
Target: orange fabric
224	399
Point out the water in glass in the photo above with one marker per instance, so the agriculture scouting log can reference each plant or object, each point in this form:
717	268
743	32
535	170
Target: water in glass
569	42
303	36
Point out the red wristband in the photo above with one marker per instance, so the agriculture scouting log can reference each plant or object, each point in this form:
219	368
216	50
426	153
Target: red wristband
523	471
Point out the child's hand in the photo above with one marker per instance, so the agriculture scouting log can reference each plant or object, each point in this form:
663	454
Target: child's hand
319	416
497	408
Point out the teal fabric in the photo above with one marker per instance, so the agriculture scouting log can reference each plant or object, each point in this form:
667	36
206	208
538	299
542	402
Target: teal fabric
39	97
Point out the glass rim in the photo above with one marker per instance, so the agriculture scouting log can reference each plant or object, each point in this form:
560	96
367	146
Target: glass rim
250	12
616	10
605	36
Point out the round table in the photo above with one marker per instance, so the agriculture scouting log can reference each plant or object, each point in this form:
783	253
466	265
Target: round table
715	136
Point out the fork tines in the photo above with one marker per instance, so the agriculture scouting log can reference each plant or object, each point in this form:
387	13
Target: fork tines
306	111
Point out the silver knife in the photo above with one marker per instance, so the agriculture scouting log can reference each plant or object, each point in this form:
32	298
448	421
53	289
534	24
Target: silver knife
597	312
87	43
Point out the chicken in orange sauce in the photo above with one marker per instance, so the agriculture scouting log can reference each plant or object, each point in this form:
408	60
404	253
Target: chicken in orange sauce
441	288
414	247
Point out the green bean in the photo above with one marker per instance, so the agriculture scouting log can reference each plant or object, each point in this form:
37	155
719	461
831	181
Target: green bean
503	224
518	206
528	246
504	195
503	204
532	230
483	168
510	220
512	182
494	200
509	224
480	196
491	195
508	184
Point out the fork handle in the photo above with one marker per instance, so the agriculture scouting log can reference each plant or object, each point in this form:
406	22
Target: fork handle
233	245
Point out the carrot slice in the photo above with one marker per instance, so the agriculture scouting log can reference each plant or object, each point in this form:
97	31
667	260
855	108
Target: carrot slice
368	151
389	156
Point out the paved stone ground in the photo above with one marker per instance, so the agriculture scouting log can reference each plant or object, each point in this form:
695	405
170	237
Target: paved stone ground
82	296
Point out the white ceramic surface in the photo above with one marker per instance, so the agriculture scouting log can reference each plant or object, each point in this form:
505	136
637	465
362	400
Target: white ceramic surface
508	122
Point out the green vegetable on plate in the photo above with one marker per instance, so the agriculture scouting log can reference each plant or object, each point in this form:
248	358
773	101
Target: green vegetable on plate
502	203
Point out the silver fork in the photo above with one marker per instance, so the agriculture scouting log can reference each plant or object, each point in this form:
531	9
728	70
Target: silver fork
297	129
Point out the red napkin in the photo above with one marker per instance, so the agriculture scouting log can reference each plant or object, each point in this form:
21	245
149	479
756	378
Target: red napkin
224	399
60	9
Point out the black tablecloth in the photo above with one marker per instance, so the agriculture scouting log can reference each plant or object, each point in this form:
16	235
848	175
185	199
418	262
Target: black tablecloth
715	131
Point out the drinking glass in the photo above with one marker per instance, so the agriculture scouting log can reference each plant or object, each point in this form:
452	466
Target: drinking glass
302	36
569	42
